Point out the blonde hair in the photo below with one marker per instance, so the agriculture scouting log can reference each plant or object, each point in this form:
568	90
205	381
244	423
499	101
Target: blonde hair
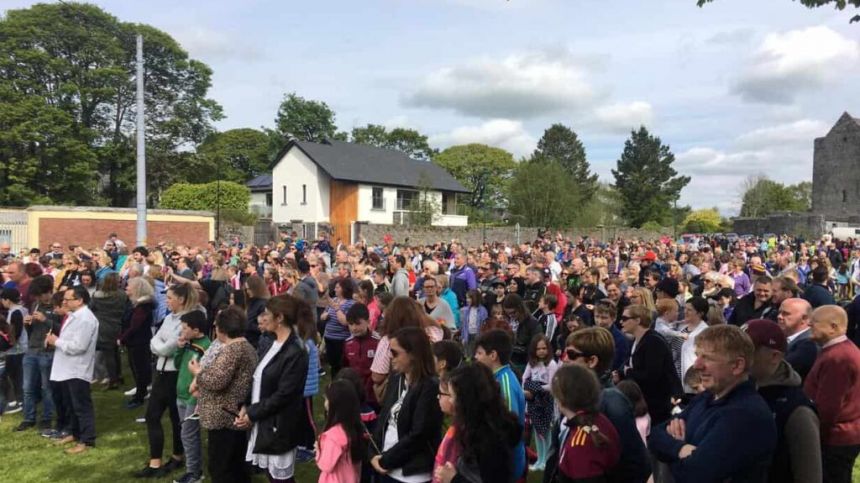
729	340
646	297
141	290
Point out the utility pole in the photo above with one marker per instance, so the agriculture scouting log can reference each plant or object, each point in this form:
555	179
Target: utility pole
141	150
218	202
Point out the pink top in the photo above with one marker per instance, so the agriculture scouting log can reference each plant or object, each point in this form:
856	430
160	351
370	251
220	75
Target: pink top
333	460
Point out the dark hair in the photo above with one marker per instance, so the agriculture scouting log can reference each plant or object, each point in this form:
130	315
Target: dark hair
700	305
347	289
344	408
404	312
481	417
81	293
349	374
257	288
231	321
41	285
577	389
820	274
400	259
550	300
514	301
416	343
365	287
499	341
296	312
195	320
57	299
629	388
110	283
142	250
33	270
357	312
449	351
533	358
473	298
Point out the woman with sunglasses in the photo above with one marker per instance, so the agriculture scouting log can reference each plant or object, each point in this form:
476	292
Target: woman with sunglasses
410	423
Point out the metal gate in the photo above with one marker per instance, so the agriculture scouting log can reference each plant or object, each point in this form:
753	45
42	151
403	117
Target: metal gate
13	229
264	232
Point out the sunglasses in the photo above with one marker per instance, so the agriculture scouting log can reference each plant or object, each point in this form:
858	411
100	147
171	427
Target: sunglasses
573	354
625	318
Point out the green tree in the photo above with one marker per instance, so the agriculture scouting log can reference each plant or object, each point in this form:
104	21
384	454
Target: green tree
542	193
408	141
561	144
646	180
481	169
837	4
802	192
605	208
306	120
238	154
81	60
703	221
763	196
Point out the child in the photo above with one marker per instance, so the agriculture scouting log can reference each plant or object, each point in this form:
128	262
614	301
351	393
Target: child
842	278
473	316
497	320
667	326
692	379
571	325
547	317
7	341
536	384
448	355
193	343
590	446
10	299
493	349
341	447
382	300
449	450
307	429
629	388
360	349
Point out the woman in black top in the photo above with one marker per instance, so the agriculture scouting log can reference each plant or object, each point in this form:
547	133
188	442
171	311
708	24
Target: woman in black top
524	326
409	426
257	296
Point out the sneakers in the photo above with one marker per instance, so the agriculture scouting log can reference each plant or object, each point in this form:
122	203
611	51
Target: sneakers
149	472
14	407
24	426
131	392
172	465
133	404
193	417
140	420
49	433
304	455
189	478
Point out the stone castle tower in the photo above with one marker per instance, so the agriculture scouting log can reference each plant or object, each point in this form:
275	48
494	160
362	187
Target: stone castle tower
836	171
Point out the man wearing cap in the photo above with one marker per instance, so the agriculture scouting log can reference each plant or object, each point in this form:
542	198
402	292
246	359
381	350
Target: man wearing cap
755	305
833	384
647	262
798	448
794	317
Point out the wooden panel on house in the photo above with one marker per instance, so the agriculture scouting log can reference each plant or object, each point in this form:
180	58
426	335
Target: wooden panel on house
344	209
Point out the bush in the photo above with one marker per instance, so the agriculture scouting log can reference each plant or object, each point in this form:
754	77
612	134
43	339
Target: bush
199	197
652	226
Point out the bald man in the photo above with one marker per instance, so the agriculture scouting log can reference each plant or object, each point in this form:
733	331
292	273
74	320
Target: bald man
834	385
794	318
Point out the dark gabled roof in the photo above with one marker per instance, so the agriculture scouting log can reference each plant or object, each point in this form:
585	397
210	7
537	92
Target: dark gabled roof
371	165
260	182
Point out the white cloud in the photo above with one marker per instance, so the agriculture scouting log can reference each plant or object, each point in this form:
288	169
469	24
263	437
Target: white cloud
797	133
621	118
502	133
208	45
522	85
798	60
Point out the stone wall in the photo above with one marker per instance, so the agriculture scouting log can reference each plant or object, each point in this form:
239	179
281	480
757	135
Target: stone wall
476	234
836	171
809	225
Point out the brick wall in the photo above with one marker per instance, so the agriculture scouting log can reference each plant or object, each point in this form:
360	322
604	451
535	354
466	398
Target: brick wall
93	233
475	235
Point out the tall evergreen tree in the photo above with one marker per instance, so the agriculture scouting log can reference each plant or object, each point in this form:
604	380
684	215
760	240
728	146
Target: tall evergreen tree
646	180
560	143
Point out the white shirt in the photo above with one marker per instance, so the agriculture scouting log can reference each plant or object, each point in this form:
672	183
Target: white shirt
76	347
391	438
688	352
795	335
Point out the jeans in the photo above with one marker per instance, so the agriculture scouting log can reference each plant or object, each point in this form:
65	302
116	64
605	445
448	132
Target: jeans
838	462
227	449
191	438
82	414
163	397
37	373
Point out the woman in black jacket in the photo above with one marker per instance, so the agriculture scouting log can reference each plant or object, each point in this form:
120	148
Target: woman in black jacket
257	295
410	423
136	334
486	432
109	304
525	327
278	390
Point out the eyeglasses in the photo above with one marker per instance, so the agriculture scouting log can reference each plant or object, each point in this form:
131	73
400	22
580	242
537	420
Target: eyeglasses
68	300
573	354
625	318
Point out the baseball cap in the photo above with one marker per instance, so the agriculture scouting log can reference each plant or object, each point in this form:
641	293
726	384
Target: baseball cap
650	256
766	333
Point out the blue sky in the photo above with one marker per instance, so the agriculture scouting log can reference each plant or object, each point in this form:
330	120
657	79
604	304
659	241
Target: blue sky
737	88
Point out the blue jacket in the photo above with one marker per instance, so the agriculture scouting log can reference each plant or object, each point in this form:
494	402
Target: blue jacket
449	296
515	399
464	316
622	349
312	383
734	436
818	295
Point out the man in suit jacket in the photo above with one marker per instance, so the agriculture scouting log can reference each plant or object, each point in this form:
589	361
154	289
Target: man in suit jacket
794	318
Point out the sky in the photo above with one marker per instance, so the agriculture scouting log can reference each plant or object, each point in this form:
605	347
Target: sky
738	88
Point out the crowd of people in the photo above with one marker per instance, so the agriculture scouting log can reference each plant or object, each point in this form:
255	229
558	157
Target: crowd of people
706	359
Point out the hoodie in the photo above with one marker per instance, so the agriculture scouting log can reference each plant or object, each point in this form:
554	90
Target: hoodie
400	283
798	450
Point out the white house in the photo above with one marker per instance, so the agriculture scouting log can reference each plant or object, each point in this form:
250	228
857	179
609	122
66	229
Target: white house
339	184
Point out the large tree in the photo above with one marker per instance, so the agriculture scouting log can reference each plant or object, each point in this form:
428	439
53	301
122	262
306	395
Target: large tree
560	143
238	155
481	169
645	179
306	120
409	141
543	194
837	4
80	60
762	196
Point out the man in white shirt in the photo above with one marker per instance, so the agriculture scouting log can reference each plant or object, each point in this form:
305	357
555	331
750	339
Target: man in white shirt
553	266
74	360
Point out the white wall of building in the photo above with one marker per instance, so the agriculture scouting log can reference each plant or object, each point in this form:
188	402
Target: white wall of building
295	171
385	216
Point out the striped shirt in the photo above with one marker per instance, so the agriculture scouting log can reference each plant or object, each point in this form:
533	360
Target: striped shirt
515	399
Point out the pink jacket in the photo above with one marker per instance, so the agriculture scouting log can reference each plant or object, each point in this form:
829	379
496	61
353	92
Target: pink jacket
333	459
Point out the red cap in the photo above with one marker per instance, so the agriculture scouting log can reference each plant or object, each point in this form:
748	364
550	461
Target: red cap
650	256
766	333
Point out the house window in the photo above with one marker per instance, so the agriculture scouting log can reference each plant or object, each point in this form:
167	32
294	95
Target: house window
378	202
405	199
449	203
304	194
268	199
844	196
284	202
